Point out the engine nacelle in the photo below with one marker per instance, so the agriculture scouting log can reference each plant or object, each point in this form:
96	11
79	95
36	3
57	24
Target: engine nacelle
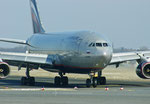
143	70
4	70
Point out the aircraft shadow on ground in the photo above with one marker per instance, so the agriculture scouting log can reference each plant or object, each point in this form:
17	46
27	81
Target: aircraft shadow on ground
14	81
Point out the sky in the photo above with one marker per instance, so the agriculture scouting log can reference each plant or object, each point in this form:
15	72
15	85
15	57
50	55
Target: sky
125	22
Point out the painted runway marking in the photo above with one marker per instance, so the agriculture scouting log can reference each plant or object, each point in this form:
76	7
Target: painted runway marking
131	90
110	85
35	89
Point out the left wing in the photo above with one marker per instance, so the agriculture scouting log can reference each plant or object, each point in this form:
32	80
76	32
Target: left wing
118	58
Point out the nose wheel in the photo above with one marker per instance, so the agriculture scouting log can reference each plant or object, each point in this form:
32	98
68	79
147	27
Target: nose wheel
91	82
94	81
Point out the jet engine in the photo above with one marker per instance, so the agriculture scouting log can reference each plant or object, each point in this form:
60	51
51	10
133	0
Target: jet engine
4	70
143	69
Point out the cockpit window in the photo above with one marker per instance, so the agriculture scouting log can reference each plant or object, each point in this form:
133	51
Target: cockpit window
105	44
99	44
93	45
90	44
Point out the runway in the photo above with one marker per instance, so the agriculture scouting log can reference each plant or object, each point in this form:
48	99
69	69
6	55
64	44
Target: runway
81	96
135	91
44	92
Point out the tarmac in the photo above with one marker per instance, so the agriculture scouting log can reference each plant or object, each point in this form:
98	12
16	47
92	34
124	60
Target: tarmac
44	92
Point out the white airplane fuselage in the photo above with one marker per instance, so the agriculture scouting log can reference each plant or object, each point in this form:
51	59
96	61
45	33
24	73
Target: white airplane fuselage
75	52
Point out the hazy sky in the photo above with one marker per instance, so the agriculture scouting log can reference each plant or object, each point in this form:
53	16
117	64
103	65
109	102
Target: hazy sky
125	22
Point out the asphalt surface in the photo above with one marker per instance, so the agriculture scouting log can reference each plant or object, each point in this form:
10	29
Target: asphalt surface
44	92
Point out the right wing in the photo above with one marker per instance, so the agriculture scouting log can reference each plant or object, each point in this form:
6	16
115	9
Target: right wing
17	59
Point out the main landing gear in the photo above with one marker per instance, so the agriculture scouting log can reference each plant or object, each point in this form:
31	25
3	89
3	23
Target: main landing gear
61	80
28	80
94	81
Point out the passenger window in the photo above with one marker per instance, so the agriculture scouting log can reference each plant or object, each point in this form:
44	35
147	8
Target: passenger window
99	44
105	44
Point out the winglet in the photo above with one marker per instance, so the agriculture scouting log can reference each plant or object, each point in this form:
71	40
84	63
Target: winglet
37	25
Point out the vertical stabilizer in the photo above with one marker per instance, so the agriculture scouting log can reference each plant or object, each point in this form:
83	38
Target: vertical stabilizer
37	26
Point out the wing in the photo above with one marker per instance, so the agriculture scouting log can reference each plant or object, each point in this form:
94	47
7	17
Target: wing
128	56
21	59
13	41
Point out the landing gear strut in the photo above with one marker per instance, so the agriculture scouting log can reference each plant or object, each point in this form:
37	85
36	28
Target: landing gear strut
28	80
96	80
61	80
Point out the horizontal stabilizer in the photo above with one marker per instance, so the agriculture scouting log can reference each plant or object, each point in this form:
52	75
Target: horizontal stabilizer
13	41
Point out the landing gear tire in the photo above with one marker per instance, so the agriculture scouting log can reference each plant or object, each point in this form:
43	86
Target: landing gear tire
61	80
23	81
64	81
28	81
57	81
31	81
101	81
88	83
94	82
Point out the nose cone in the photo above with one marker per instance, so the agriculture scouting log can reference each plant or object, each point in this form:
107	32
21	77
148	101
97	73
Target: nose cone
107	54
104	57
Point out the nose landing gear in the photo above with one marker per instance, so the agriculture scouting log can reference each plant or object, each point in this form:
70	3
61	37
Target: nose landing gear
96	80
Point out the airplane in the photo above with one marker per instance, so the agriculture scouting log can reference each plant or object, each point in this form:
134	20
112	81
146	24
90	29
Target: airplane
81	52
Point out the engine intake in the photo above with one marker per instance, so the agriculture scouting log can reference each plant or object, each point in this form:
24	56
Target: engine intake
143	70
4	70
